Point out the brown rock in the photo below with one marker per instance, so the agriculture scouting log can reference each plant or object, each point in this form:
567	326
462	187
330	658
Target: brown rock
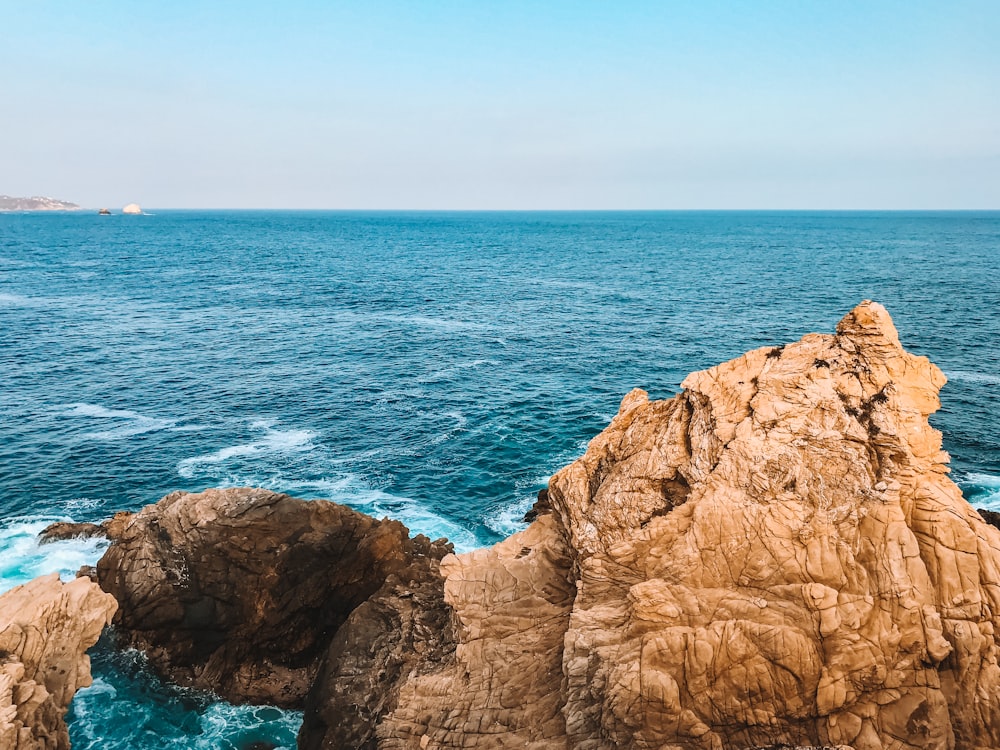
773	557
403	627
990	516
46	628
240	591
61	530
540	507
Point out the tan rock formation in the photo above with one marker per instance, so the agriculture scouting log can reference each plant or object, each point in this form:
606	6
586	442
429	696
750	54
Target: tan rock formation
132	208
46	628
775	555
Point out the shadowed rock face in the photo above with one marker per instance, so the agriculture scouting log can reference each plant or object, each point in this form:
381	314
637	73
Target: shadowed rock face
240	591
776	556
46	628
403	628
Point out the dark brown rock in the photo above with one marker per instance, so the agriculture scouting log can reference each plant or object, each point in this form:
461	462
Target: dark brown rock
61	530
240	591
405	627
991	517
540	508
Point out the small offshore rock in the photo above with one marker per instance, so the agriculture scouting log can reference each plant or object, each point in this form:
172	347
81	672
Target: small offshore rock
62	530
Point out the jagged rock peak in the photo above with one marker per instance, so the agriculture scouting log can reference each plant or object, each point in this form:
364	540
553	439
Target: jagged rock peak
775	556
869	319
46	627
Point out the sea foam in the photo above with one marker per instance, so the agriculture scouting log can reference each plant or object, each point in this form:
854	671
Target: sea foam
128	423
272	441
23	557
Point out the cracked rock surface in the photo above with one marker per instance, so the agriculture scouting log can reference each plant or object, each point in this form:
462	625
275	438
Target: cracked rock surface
241	590
774	557
46	627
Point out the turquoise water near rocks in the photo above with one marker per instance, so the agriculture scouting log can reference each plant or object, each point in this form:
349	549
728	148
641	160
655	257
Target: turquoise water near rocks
434	367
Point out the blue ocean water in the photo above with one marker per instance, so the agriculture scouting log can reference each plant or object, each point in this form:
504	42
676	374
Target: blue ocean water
434	367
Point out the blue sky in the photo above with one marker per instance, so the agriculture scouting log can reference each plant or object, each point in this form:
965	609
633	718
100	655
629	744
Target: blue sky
503	104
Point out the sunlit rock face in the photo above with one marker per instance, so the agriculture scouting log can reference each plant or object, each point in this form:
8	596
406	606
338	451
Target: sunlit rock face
46	627
775	555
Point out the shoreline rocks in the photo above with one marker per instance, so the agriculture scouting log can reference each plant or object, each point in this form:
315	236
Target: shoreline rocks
46	627
240	591
773	558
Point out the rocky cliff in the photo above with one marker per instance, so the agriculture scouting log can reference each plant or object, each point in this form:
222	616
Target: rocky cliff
775	555
46	628
240	591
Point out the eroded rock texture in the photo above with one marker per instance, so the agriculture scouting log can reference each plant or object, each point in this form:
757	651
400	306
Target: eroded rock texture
46	628
240	591
776	555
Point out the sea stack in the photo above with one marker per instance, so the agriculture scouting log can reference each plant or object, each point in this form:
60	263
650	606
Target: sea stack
132	208
46	627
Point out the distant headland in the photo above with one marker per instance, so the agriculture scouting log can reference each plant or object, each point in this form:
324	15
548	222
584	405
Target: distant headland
37	203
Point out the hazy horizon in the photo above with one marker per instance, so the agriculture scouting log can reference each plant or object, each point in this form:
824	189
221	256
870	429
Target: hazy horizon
490	106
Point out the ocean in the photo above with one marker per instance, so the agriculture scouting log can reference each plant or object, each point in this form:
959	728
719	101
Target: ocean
434	367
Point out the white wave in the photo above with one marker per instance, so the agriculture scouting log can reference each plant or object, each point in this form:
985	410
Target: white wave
418	519
108	718
460	422
508	519
9	299
983	480
982	490
447	372
78	504
272	442
988	378
22	558
130	423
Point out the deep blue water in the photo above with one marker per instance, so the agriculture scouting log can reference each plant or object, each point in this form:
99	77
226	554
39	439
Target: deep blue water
435	367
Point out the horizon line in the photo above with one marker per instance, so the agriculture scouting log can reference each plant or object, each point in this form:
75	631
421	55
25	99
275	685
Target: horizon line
510	210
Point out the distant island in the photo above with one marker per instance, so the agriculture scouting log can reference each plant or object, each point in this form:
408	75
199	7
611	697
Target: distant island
37	203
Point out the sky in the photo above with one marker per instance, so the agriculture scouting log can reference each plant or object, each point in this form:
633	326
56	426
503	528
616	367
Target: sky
503	105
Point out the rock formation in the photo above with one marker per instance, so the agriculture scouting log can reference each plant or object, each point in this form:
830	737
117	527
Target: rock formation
240	591
46	628
774	556
132	208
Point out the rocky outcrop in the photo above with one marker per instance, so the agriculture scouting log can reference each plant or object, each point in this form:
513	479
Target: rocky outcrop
133	209
240	591
46	628
775	556
403	629
62	530
991	517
